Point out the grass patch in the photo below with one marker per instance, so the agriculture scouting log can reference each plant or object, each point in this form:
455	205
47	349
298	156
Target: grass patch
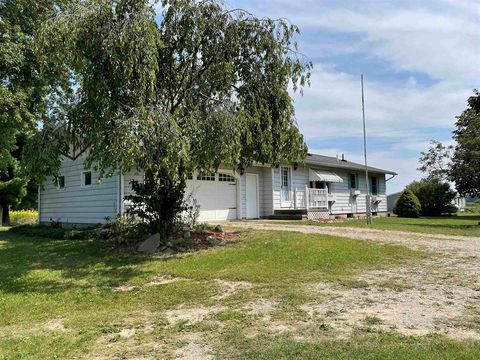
75	283
283	257
372	320
464	224
383	346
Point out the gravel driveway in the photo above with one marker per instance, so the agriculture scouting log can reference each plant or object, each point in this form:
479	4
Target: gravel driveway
440	294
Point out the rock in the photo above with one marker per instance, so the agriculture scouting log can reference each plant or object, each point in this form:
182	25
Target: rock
219	228
213	240
150	245
168	251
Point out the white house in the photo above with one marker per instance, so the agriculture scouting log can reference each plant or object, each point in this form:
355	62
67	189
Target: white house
320	187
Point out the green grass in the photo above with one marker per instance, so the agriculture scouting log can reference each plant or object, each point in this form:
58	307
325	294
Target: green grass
73	283
464	224
381	346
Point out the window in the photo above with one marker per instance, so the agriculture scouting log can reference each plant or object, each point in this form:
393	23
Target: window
317	184
285	174
61	182
206	177
352	181
86	178
226	178
374	185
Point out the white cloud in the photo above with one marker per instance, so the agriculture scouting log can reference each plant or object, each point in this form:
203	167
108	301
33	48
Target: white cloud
331	107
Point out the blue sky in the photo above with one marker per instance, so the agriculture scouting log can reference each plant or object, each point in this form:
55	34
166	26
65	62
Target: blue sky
420	59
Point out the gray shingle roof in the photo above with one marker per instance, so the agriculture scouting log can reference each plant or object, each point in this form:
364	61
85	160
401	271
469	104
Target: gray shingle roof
333	162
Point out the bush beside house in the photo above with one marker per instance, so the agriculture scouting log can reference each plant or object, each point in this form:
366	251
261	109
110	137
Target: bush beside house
407	205
435	196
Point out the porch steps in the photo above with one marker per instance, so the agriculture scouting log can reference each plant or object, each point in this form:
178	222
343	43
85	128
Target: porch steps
289	215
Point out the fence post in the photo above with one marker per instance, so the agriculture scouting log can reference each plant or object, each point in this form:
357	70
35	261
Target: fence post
295	198
307	197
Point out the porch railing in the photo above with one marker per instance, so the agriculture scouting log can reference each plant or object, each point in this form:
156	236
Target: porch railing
306	198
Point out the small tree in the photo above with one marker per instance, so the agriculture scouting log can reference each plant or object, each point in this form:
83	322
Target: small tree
407	205
434	195
435	162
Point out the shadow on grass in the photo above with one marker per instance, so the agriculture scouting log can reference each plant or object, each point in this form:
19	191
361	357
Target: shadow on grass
462	217
48	266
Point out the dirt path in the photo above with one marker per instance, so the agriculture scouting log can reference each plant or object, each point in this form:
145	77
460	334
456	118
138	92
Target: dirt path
440	294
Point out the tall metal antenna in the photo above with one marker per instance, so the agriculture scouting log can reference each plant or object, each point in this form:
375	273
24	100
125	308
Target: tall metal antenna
368	198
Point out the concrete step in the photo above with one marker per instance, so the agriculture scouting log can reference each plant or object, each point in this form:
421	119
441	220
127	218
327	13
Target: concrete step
287	217
290	212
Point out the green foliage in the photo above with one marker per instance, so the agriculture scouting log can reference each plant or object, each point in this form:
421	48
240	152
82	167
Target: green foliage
473	208
124	232
158	202
41	231
27	76
435	161
465	169
435	196
407	205
23	217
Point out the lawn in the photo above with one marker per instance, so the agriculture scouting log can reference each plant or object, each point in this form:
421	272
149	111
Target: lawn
64	299
464	224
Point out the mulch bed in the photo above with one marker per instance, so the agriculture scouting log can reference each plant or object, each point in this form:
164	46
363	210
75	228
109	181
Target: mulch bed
225	237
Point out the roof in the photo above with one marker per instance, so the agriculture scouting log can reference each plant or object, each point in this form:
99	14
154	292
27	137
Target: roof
333	162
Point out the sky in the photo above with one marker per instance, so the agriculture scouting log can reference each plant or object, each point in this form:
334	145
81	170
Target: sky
420	60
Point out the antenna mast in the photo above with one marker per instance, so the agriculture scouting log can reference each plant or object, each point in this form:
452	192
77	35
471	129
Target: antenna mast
368	197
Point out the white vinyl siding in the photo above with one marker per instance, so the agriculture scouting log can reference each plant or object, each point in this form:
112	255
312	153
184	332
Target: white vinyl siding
264	190
344	200
75	203
299	179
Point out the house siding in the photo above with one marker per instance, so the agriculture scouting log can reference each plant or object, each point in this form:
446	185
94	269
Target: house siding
77	204
344	203
264	190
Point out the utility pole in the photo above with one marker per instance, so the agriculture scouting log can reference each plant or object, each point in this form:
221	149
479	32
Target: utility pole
368	200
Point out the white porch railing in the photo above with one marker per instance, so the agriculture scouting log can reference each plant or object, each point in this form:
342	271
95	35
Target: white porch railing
306	198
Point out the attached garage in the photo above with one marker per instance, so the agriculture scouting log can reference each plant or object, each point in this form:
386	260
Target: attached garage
216	194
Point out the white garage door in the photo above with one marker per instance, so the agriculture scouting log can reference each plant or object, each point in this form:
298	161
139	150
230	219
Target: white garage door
216	194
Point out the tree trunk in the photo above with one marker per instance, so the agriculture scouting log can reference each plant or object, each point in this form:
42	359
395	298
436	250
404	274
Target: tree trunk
5	214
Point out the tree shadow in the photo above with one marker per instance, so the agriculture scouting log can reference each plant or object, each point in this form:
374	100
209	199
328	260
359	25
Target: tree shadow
454	217
38	265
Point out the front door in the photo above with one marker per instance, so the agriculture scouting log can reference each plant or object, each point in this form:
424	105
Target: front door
286	182
252	196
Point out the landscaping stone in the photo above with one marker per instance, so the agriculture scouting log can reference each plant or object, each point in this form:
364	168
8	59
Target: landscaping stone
213	240
219	228
150	245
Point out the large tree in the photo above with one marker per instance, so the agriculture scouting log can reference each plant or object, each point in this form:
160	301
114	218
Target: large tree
465	169
203	86
27	78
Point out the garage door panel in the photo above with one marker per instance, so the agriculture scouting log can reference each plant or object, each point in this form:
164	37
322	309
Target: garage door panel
217	200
